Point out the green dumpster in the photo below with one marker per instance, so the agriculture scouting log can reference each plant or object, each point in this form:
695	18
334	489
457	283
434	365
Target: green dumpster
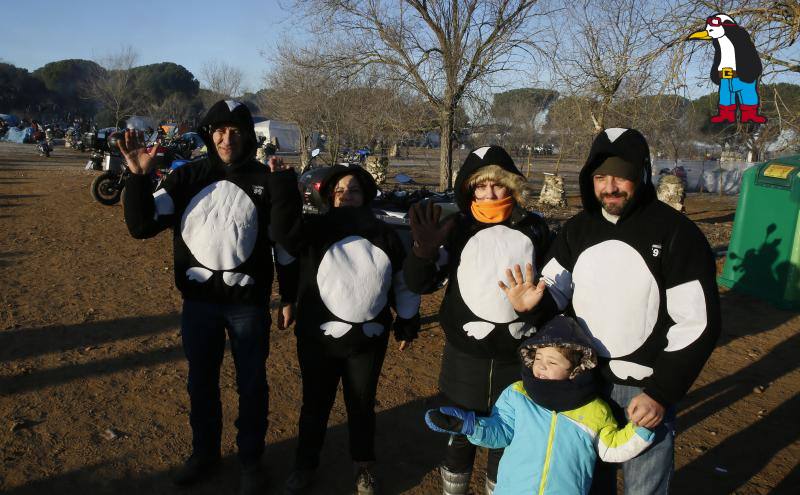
764	252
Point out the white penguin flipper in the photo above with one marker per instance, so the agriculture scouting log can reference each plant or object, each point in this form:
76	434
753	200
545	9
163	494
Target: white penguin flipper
233	278
520	329
198	274
478	329
335	329
372	329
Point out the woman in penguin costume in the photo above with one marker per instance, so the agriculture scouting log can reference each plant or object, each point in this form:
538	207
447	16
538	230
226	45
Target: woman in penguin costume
350	276
491	233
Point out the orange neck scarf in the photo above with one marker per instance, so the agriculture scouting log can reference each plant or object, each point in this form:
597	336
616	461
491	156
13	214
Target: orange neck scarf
492	211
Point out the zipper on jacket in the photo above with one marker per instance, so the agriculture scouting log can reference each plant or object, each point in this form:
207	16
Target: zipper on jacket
489	395
546	467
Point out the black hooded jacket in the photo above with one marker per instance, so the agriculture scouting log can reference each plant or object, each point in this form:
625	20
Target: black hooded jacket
350	270
643	287
220	216
477	318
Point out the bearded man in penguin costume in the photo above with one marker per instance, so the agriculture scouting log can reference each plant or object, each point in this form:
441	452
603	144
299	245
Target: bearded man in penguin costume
219	211
350	279
736	69
474	249
640	278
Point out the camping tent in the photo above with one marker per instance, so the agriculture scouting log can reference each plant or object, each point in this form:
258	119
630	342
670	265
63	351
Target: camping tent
10	119
16	135
288	134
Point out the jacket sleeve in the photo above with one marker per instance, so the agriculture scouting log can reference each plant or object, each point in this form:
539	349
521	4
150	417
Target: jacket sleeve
286	206
693	307
147	213
497	430
404	301
422	275
287	268
615	444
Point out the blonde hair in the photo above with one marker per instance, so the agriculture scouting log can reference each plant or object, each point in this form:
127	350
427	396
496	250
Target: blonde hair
515	183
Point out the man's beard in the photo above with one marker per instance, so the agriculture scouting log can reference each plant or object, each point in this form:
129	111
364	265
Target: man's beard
615	209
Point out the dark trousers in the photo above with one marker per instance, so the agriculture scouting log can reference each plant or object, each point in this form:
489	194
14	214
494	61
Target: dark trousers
321	373
474	384
203	328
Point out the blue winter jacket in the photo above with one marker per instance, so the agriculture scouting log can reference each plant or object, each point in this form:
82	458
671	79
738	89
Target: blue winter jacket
553	453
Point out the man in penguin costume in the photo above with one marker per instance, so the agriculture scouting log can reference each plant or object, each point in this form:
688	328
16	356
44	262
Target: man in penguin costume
736	69
473	249
641	280
350	279
219	210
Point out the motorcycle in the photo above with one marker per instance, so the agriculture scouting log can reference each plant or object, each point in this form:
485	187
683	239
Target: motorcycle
107	188
43	145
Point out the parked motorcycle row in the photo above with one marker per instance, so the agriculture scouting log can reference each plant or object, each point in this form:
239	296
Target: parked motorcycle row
107	188
391	204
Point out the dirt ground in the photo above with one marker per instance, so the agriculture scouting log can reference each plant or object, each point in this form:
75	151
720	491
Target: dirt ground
92	376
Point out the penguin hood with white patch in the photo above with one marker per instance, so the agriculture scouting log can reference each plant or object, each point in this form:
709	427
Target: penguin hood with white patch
643	287
476	159
628	144
229	112
476	316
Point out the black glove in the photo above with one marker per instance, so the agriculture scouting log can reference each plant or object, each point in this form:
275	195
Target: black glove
426	231
406	328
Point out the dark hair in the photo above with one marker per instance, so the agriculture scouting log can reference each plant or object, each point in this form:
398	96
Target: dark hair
574	356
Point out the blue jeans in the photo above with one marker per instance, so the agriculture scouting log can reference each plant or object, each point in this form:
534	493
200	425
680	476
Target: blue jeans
730	88
649	473
203	326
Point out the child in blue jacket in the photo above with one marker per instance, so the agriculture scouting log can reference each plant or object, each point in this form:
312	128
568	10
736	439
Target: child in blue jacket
552	423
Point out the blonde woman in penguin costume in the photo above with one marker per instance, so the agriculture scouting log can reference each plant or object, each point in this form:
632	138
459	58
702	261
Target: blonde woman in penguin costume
474	250
350	276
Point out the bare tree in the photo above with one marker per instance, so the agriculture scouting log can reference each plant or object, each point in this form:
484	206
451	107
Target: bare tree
605	56
441	49
112	85
176	108
222	79
309	94
774	26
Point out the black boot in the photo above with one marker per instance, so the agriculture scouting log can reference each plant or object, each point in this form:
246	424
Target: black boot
365	483
299	480
196	468
251	480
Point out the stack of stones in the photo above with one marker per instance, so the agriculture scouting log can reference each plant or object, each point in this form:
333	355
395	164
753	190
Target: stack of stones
553	193
377	166
672	191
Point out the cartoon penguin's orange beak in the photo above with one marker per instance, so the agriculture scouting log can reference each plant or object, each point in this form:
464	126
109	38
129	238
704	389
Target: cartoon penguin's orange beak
700	35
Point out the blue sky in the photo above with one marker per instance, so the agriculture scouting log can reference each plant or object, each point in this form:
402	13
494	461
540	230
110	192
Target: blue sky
187	33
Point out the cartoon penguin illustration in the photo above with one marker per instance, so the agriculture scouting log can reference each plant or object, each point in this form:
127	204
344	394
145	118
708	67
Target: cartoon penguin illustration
736	69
